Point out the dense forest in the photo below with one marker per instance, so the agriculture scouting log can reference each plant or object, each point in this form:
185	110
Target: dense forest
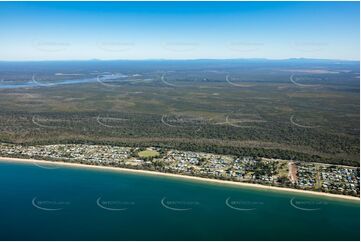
300	110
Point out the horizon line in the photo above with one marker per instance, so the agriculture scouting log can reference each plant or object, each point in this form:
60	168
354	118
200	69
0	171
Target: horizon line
183	59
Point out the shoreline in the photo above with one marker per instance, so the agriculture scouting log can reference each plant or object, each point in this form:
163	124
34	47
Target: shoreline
184	177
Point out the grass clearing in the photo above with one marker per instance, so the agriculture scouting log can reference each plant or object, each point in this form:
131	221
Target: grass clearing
148	153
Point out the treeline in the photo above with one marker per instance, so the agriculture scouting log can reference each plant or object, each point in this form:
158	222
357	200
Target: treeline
270	139
199	147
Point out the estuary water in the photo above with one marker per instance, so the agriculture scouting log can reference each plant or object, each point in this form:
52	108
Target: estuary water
34	83
65	203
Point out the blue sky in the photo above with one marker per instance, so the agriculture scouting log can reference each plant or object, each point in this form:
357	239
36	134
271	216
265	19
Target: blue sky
178	30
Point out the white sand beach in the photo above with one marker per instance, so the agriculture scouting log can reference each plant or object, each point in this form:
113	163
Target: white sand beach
193	178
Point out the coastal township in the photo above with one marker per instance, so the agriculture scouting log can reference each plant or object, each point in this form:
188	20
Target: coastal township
336	179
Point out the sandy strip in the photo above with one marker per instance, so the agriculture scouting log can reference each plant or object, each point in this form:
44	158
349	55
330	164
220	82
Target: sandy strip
205	180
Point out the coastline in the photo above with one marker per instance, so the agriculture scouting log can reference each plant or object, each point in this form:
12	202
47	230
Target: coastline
184	177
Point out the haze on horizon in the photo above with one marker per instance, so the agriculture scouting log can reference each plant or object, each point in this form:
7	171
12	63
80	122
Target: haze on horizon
179	30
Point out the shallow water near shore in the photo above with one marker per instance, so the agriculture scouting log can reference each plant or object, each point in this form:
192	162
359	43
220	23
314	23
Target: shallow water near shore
65	203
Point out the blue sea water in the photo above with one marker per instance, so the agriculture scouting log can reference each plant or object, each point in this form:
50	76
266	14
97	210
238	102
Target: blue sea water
63	203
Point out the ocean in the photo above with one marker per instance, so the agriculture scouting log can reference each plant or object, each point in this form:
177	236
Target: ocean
66	203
